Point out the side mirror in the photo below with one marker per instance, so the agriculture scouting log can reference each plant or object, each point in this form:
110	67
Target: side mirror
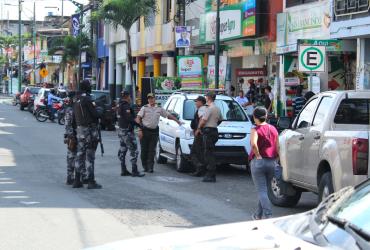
284	123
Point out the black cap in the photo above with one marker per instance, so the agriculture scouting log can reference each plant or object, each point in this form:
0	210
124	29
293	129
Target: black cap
125	93
211	94
150	95
201	99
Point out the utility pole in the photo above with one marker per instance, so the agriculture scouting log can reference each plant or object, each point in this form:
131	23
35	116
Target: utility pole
61	25
217	46
34	42
20	45
182	7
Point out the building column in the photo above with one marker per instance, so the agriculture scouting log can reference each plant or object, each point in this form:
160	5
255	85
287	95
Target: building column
128	79
170	66
360	64
111	71
140	70
157	65
118	79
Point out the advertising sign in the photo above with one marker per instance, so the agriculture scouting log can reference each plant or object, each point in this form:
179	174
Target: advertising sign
253	72
190	70
75	24
305	23
331	45
211	72
164	87
311	58
237	19
182	36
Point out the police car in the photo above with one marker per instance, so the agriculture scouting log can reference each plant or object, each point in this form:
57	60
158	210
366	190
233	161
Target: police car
175	142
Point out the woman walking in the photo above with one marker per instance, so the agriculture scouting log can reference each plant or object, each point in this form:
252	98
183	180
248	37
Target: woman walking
265	148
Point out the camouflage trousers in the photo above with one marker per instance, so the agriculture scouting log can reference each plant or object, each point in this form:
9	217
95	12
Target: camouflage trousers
87	143
71	163
127	142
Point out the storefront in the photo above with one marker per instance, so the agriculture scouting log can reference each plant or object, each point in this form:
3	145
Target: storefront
309	24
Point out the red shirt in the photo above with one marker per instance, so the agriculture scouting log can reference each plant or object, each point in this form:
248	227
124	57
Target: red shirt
266	142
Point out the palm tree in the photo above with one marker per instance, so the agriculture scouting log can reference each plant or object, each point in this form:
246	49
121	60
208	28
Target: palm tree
69	48
125	13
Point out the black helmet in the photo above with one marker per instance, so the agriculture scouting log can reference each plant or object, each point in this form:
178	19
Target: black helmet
85	86
52	91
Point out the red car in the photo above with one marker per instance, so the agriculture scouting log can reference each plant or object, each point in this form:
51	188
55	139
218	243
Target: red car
27	97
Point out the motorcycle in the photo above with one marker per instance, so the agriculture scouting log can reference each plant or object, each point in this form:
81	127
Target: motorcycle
43	114
30	104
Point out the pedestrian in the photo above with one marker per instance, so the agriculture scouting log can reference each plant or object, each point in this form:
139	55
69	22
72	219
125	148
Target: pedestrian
208	129
70	138
252	92
51	99
298	101
269	98
196	153
127	136
87	119
265	148
148	119
242	100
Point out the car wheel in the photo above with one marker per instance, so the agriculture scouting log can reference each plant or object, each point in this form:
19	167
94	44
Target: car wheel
325	186
158	158
30	108
182	165
279	199
21	107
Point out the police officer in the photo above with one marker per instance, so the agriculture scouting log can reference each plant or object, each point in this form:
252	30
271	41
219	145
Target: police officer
127	136
86	117
70	138
196	154
208	128
148	119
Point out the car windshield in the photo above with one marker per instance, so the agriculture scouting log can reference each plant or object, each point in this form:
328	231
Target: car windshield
230	110
101	97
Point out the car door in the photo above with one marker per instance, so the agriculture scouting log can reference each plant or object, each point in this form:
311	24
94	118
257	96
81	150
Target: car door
312	141
295	139
166	135
173	126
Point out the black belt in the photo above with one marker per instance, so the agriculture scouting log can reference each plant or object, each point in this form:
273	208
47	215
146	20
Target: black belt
151	129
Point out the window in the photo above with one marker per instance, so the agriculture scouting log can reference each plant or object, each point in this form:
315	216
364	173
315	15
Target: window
230	110
291	3
353	111
150	19
167	6
305	117
177	108
322	111
172	104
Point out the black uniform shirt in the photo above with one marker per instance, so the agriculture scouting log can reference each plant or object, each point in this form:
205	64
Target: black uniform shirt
84	111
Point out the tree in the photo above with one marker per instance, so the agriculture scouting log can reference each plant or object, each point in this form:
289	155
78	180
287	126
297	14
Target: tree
69	47
125	13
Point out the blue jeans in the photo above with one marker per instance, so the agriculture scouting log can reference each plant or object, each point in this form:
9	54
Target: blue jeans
262	172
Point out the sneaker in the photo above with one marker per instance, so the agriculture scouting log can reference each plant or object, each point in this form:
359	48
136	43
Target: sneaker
256	217
137	174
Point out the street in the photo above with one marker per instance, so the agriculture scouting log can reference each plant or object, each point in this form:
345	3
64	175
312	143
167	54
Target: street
38	211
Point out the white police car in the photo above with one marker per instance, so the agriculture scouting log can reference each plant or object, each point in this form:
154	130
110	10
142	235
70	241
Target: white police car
233	146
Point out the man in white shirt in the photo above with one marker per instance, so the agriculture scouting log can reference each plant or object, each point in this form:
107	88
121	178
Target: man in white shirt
242	100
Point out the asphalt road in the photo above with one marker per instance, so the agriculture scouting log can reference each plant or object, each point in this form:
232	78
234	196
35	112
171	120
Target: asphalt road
38	211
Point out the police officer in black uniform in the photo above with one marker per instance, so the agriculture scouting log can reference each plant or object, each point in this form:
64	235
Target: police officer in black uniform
87	118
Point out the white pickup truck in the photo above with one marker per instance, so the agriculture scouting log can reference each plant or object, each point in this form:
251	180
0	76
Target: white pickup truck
326	148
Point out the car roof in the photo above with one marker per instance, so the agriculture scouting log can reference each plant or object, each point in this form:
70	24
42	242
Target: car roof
193	96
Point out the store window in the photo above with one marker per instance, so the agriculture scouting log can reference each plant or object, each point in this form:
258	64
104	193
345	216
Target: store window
291	3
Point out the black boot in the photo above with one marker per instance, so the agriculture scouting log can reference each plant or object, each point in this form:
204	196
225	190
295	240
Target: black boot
135	172
124	171
93	185
210	177
69	180
77	181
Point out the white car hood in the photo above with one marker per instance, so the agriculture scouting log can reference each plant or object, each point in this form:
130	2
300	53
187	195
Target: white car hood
236	236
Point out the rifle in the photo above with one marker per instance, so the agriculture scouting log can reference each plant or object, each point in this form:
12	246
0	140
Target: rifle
100	140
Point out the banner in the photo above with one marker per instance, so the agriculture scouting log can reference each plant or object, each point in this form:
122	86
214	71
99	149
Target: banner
75	24
182	36
164	87
190	70
212	71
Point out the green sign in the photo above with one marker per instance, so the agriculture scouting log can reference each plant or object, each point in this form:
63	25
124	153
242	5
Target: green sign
311	58
332	45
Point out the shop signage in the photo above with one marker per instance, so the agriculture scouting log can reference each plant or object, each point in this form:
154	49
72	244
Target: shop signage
211	71
190	71
237	19
75	24
291	81
309	22
254	72
331	45
311	58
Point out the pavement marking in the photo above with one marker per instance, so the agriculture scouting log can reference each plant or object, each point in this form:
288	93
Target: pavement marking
171	179
16	197
7	182
5	179
29	202
12	191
